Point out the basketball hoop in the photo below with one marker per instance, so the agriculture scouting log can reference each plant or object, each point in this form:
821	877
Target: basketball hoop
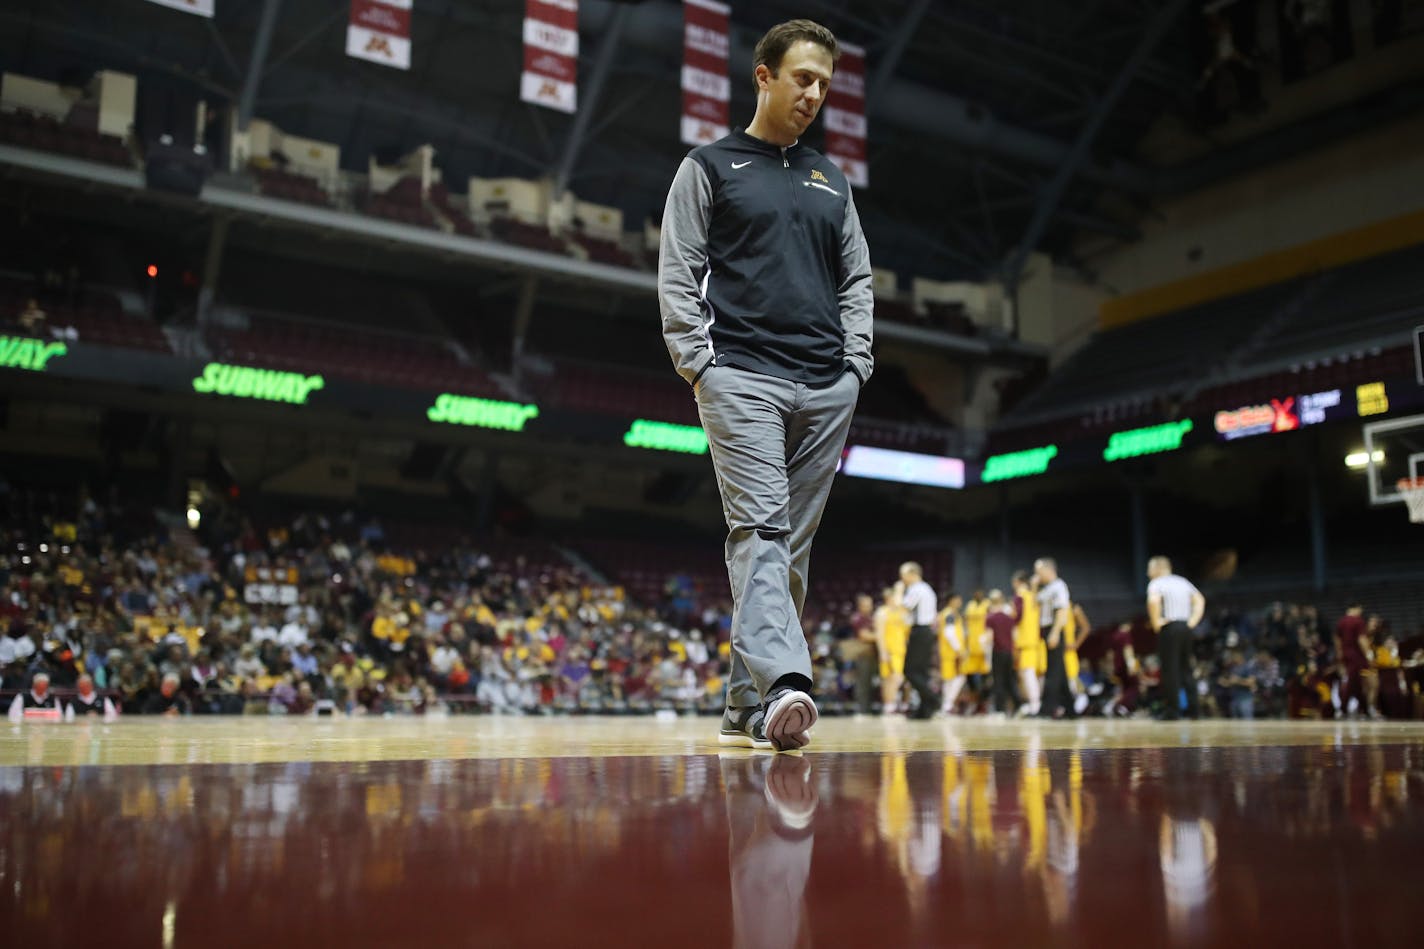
1412	490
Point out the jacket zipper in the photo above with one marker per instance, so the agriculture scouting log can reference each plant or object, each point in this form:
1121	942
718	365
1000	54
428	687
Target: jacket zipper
795	202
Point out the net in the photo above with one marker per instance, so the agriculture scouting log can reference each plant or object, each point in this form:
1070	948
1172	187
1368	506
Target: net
1412	490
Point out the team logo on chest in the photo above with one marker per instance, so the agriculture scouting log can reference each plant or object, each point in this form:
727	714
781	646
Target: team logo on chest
819	181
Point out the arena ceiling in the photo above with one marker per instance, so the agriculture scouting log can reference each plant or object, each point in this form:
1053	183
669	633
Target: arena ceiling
995	127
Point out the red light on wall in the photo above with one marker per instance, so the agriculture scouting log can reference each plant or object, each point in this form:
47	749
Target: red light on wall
153	270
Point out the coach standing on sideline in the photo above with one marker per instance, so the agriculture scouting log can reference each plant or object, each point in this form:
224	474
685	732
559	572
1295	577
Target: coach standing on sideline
764	286
1175	607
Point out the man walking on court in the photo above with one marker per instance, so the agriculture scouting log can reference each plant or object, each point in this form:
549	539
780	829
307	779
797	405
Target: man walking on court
764	287
1175	607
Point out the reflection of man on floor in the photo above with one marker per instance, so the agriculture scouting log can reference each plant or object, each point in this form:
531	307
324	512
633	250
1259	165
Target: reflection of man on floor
771	804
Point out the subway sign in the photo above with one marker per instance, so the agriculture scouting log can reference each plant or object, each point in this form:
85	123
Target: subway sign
481	413
1018	464
1151	440
22	352
265	385
665	436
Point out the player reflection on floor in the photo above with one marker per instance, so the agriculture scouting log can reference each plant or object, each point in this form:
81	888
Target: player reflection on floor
771	809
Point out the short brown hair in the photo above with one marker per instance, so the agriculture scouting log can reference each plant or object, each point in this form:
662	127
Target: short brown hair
771	48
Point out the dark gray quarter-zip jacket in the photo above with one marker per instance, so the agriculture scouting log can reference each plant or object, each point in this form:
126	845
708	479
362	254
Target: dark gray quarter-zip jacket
763	265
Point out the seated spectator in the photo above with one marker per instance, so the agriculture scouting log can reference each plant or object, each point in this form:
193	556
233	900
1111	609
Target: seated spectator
303	661
253	702
248	666
37	702
264	630
443	658
283	696
1240	683
88	702
32	319
168	700
294	632
304	703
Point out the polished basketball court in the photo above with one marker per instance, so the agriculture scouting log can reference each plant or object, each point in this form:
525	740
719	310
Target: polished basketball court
633	831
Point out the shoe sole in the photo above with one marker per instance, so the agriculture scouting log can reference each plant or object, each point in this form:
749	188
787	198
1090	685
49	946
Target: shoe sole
742	740
788	722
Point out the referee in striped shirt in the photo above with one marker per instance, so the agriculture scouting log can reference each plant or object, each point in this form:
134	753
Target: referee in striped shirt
1175	607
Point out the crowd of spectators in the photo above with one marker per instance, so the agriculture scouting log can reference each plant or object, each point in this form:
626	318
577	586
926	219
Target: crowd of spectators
1293	660
312	613
1282	660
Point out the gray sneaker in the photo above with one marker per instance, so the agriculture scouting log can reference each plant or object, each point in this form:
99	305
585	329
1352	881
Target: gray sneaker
742	728
790	713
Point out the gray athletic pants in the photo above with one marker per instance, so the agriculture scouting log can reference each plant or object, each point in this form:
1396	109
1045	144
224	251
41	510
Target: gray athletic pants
774	445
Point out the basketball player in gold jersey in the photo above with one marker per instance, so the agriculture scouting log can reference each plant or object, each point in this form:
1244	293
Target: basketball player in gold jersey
1073	634
892	635
952	652
977	640
1073	631
1028	642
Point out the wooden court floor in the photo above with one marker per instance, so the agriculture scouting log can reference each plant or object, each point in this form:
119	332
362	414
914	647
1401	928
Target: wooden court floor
618	832
222	740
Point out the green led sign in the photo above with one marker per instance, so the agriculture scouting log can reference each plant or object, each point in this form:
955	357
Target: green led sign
481	413
266	385
665	436
1147	441
1018	464
22	352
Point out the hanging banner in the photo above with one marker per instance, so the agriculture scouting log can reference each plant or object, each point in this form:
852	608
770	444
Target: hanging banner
380	32
200	7
845	116
706	93
551	44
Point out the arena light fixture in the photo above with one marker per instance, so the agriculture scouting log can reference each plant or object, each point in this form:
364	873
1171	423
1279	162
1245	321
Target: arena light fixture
906	467
1360	460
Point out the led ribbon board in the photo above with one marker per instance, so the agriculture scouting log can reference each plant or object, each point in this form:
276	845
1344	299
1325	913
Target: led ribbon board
481	413
1147	441
904	466
266	385
1018	464
22	352
665	436
1283	415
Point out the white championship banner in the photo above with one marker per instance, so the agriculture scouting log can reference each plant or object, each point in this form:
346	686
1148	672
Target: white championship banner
379	31
845	116
200	7
551	44
706	91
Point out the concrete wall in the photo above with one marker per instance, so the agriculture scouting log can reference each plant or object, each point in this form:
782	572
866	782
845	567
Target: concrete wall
1345	200
36	95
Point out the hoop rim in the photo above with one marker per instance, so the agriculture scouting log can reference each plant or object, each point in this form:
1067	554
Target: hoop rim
1412	490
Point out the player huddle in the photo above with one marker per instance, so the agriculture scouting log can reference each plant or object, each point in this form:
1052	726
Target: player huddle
1017	655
